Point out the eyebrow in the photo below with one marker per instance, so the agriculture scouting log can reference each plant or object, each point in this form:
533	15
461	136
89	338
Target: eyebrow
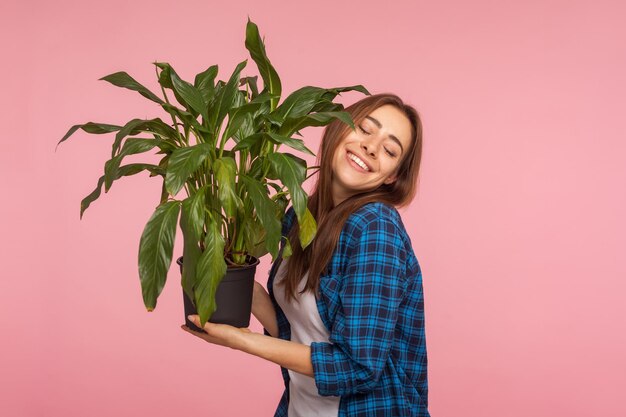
392	137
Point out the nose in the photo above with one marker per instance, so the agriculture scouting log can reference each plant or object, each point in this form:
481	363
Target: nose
370	147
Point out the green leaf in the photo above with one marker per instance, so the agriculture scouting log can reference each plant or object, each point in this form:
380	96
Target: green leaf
183	163
252	83
302	101
188	119
135	126
252	142
326	106
265	97
155	251
191	95
225	171
210	271
192	224
90	127
123	171
223	100
255	45
205	82
292	173
294	143
299	103
331	93
308	228
165	78
267	212
287	251
131	147
122	79
292	125
256	169
238	116
254	237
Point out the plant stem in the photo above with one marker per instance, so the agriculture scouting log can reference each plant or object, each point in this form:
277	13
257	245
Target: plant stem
156	69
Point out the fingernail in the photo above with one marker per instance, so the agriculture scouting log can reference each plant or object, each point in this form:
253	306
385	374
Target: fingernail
190	317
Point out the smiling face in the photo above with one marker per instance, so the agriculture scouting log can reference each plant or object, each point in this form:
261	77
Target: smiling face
370	155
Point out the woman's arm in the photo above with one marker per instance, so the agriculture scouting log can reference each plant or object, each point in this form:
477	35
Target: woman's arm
263	309
290	355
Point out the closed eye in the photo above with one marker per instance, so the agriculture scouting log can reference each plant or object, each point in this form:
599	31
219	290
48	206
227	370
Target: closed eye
393	155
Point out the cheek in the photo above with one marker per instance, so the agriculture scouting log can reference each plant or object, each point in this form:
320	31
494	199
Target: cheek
389	167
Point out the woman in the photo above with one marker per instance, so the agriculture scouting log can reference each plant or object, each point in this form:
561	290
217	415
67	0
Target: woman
345	318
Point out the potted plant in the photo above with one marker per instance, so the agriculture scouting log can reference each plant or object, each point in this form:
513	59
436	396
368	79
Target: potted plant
222	149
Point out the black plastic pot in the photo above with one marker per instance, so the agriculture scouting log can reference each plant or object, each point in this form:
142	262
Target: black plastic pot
233	296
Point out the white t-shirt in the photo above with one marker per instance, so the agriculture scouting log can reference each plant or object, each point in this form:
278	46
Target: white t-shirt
306	327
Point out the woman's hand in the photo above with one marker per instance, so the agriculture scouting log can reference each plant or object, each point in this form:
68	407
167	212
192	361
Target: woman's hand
219	334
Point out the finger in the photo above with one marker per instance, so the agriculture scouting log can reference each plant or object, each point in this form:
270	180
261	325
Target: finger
195	319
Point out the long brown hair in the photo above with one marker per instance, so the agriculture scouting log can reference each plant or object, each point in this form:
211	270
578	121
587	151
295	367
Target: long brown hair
330	219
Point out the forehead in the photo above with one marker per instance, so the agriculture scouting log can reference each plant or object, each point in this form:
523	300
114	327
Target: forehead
393	122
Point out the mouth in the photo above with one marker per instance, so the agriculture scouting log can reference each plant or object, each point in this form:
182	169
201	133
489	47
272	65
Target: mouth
357	162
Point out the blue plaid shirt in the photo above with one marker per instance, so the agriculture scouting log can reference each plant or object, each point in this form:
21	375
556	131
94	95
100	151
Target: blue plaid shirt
372	302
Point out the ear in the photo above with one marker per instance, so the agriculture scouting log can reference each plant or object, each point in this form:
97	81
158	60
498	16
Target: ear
391	179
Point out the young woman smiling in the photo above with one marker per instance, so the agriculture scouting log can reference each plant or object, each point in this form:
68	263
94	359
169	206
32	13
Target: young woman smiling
344	318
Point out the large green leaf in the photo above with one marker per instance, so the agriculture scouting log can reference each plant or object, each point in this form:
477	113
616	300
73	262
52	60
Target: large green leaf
183	162
308	228
122	79
291	172
90	127
191	95
223	100
331	93
210	271
287	251
225	171
304	100
299	103
165	80
294	143
205	82
253	142
188	120
123	171
293	125
327	106
135	126
132	146
252	83
238	116
255	45
192	224
254	237
267	212
155	251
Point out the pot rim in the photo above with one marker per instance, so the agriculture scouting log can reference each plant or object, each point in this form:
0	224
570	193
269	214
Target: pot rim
255	262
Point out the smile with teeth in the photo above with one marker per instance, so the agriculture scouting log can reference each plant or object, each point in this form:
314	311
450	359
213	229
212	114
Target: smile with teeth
358	161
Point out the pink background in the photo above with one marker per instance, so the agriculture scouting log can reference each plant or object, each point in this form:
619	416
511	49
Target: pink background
519	222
